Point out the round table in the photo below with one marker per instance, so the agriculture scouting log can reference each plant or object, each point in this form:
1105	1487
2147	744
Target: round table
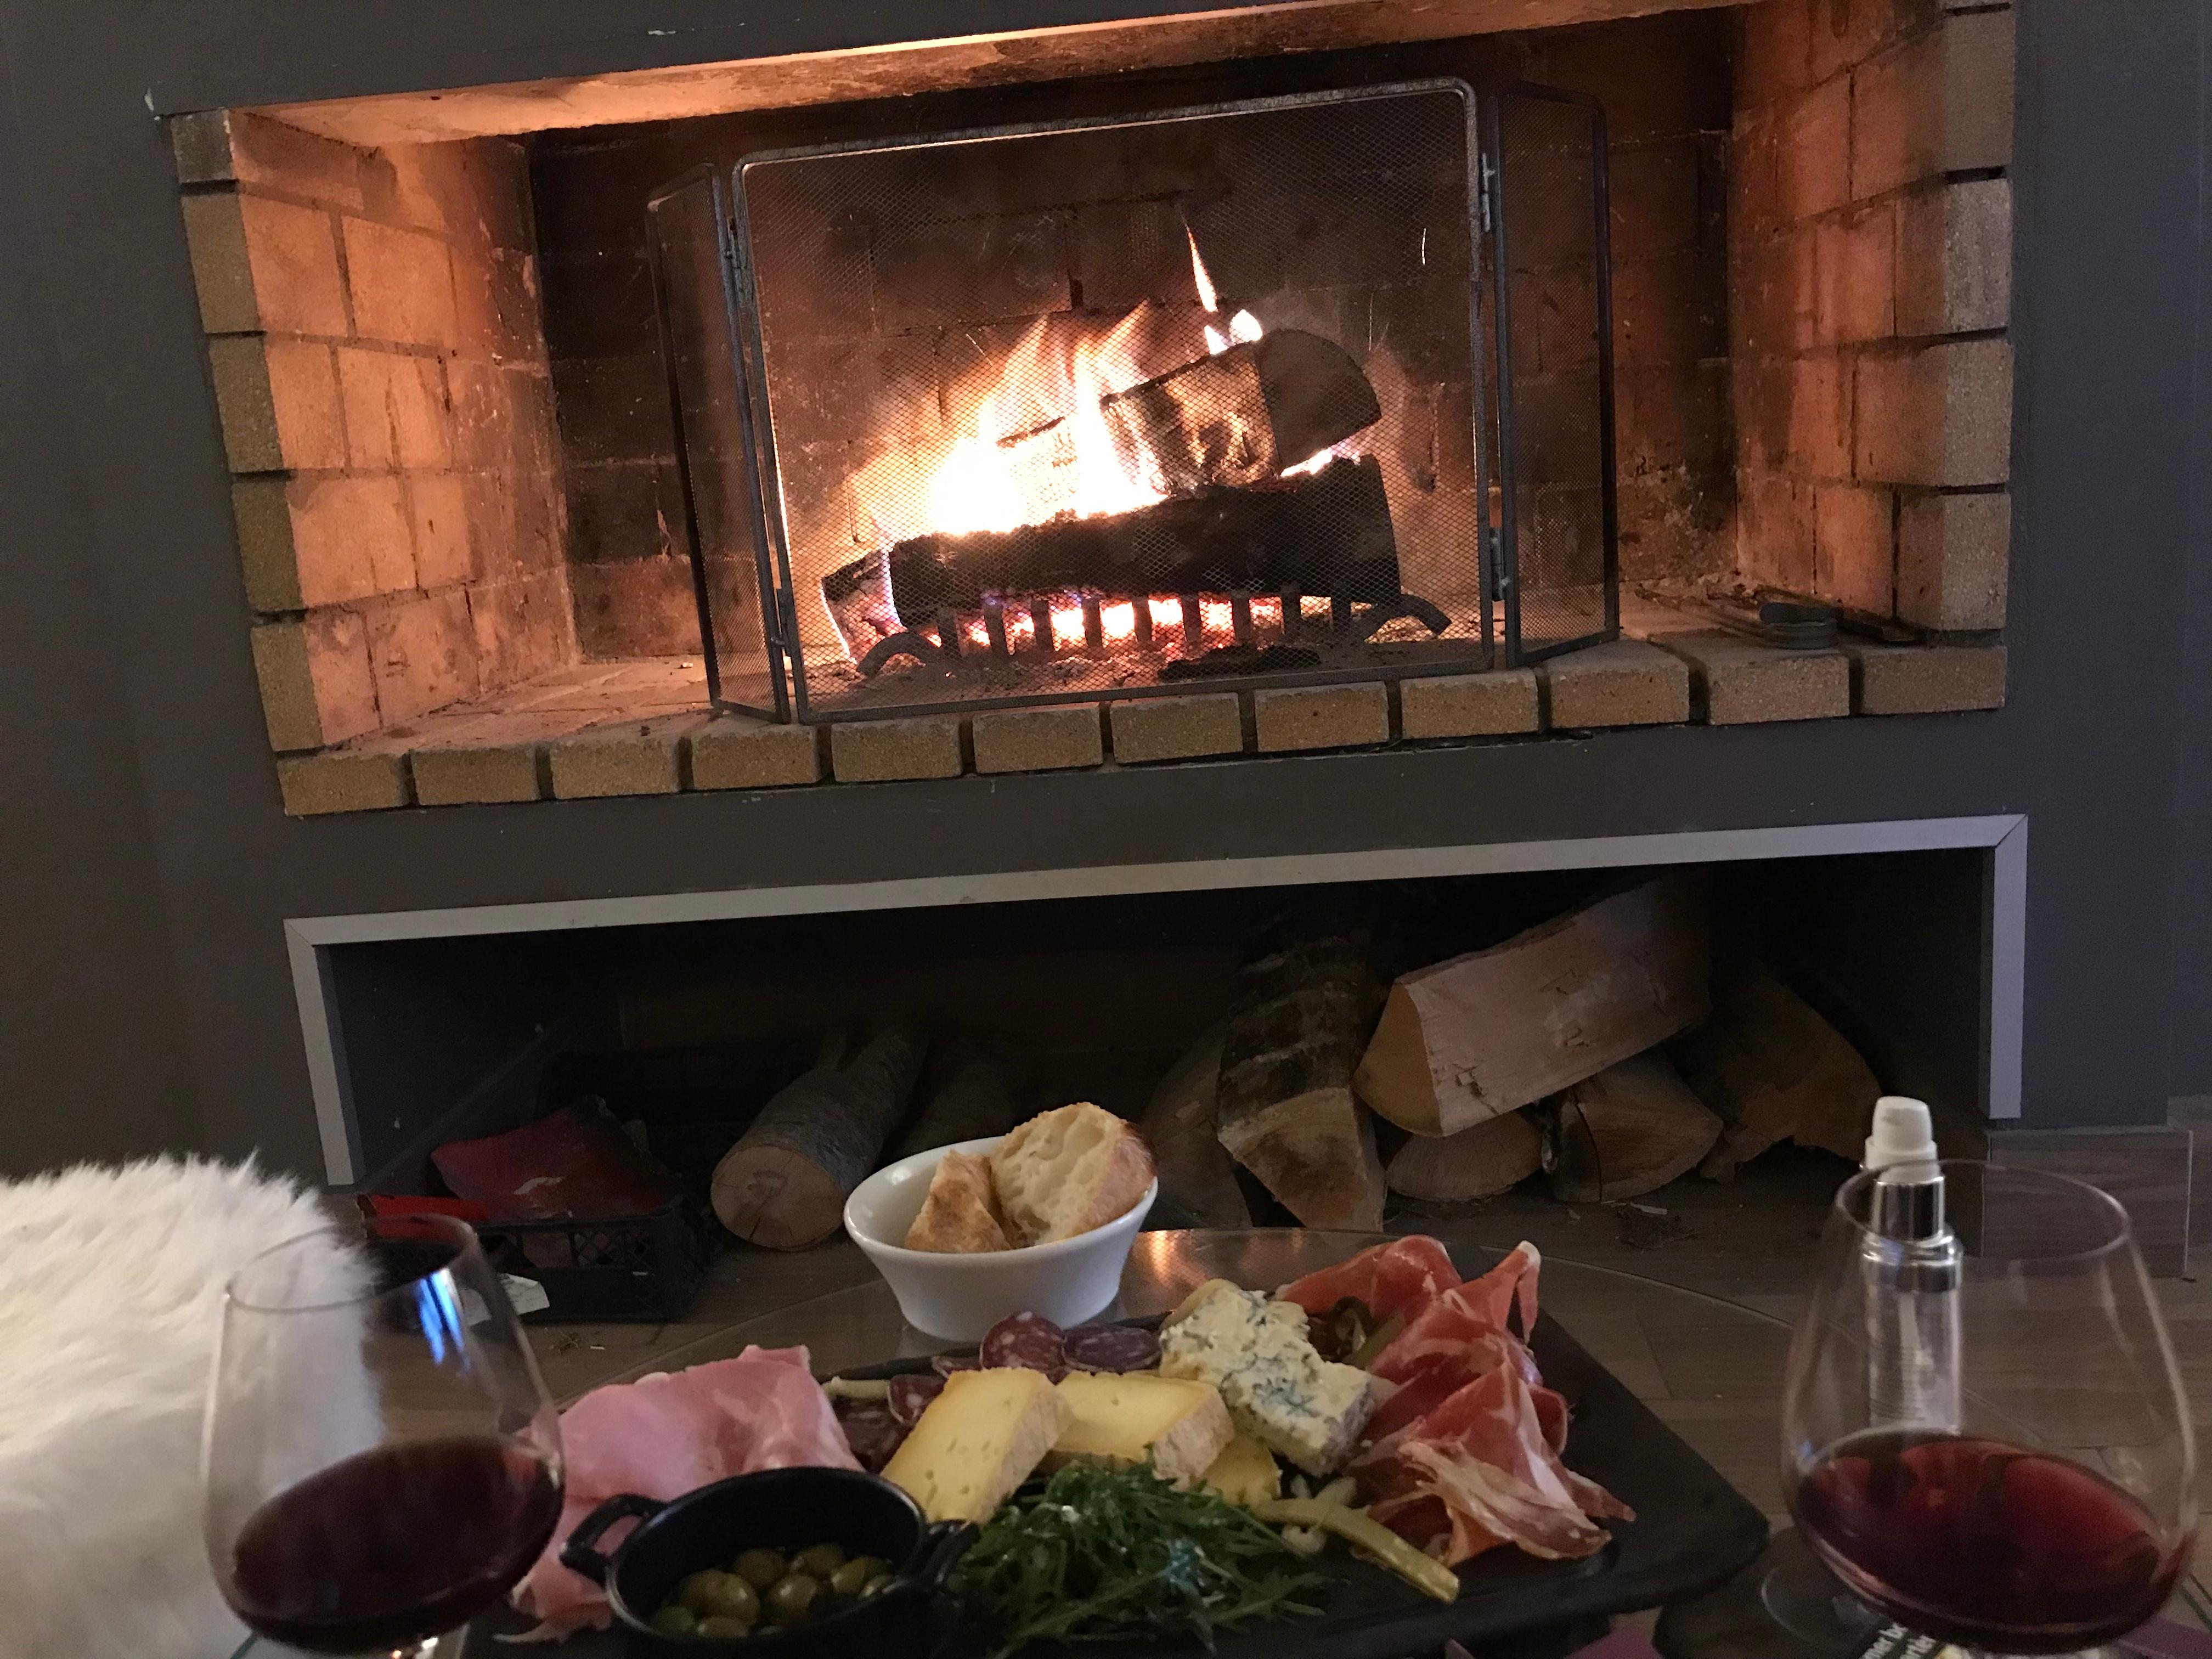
1712	1369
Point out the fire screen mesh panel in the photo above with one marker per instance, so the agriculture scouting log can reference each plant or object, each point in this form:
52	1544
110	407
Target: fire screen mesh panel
1182	401
1556	415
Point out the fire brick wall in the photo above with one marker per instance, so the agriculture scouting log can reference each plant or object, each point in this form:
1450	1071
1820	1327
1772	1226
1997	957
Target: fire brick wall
381	373
1872	274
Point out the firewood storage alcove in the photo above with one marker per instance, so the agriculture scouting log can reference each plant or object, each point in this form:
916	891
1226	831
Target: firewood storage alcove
1333	1054
1236	402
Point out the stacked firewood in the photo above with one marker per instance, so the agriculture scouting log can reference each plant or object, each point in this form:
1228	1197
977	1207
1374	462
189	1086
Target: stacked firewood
1595	1048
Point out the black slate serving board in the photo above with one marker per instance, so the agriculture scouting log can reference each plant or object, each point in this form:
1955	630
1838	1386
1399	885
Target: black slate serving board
1691	1530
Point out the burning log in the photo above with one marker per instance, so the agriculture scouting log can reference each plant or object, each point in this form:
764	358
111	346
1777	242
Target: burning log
1326	534
1285	1109
785	1183
1241	415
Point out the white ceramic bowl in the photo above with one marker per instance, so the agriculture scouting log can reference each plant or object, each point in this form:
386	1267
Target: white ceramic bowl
958	1297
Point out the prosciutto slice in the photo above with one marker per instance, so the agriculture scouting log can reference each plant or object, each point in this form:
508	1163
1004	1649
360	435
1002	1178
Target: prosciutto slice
673	1432
1460	1335
1400	1276
1482	1466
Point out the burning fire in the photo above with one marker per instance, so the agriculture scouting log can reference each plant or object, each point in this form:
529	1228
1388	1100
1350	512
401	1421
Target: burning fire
1011	468
1035	446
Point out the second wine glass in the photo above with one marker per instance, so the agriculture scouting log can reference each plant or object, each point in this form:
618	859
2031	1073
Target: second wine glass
2042	1499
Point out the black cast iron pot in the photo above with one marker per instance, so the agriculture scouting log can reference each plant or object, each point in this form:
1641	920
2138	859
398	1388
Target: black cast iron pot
781	1510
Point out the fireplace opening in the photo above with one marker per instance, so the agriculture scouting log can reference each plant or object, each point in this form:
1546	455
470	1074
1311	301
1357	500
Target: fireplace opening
1222	395
463	508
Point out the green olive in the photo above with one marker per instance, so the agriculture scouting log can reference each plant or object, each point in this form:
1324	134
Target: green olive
675	1619
728	1597
696	1592
724	1630
791	1596
853	1578
762	1568
820	1560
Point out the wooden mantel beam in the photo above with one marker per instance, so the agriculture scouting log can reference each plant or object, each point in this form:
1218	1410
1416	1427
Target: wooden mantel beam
906	68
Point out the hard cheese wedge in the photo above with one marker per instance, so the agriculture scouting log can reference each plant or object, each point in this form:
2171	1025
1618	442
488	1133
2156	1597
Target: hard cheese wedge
977	1442
1246	1471
1180	1425
1277	1389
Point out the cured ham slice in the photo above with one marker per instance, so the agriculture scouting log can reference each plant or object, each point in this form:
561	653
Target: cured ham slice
1443	1372
665	1435
1453	1315
1482	1465
1400	1276
1459	1336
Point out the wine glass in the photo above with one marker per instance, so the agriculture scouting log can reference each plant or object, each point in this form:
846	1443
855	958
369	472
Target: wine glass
1987	1439
382	1461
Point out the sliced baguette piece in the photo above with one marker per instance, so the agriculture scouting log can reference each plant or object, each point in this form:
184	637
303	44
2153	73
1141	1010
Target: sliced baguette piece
961	1213
1064	1172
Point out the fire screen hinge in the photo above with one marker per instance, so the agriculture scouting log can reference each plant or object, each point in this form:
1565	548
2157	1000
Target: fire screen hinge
1482	192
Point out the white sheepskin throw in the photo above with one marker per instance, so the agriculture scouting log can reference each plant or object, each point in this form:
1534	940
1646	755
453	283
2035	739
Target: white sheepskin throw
110	1292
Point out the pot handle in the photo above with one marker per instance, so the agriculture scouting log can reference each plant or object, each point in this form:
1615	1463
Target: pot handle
578	1555
943	1544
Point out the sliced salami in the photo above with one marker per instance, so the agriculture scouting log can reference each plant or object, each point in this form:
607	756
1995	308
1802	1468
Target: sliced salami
946	1363
911	1394
1112	1348
872	1432
1027	1341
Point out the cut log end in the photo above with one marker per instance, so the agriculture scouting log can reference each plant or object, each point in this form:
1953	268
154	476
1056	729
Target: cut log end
1315	1153
776	1197
1628	1131
1476	1163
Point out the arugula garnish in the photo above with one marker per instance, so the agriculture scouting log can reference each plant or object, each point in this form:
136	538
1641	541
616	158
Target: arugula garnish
1100	1553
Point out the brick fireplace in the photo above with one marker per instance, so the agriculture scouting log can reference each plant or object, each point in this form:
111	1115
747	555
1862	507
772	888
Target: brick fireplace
432	342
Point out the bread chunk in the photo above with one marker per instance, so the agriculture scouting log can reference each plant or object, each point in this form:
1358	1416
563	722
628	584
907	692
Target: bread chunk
1064	1172
961	1213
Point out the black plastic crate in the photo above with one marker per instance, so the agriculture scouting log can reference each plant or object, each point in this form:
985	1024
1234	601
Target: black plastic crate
643	1269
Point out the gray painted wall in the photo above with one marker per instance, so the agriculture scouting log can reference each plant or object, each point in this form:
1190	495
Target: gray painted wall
92	1060
2087	746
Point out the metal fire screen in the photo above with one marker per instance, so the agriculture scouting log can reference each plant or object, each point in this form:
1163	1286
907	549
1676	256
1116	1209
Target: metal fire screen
1217	397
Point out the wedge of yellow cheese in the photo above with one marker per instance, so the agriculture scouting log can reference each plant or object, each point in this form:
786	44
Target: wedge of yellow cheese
1246	1471
978	1440
1179	1426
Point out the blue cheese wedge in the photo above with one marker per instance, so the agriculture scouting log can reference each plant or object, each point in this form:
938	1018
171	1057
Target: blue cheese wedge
1277	1389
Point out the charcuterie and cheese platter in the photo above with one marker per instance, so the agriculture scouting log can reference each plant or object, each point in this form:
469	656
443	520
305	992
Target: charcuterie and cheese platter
1372	1461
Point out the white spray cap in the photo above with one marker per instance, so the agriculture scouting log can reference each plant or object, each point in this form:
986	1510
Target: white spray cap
1903	1133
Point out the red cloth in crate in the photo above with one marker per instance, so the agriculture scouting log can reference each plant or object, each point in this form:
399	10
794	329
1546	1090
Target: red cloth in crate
576	1163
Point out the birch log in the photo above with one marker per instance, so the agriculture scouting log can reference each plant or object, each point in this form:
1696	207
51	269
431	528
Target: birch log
785	1183
1482	1034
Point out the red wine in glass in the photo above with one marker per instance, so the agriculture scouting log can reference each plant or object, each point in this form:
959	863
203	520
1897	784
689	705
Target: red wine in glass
383	1462
372	1551
2042	1499
1980	1542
